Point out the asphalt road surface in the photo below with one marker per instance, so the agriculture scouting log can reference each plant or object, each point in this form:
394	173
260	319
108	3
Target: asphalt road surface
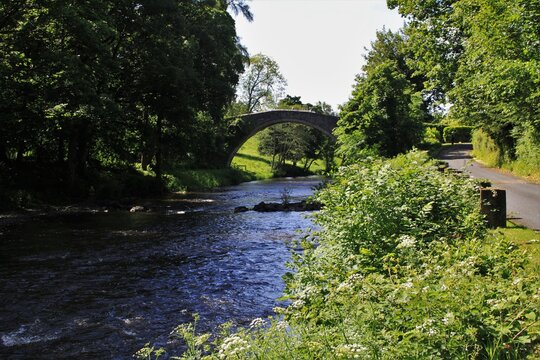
522	197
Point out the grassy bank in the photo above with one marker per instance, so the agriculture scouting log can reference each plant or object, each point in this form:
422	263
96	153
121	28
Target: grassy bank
403	268
527	158
33	187
204	179
528	240
260	166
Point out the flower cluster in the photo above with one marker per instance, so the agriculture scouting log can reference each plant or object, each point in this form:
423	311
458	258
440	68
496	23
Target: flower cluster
232	346
257	323
406	241
349	351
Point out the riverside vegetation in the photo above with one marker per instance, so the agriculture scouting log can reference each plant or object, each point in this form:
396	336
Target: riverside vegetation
403	268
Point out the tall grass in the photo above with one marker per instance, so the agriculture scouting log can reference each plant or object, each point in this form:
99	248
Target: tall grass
527	162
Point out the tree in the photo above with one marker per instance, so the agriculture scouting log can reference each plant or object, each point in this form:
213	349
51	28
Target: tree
261	85
94	83
435	39
499	74
240	6
385	111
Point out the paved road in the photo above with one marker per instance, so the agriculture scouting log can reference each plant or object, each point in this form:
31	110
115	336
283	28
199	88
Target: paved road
522	198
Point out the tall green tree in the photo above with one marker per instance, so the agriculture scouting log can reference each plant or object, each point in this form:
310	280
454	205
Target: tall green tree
386	110
261	85
483	56
90	83
498	80
435	39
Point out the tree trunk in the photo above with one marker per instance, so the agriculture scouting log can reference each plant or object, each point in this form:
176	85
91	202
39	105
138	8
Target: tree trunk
158	149
77	152
61	148
3	153
146	139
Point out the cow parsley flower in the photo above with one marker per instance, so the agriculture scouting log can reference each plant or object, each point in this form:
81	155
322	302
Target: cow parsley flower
232	347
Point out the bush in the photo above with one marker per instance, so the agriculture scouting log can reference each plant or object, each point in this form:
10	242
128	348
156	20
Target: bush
462	134
431	141
527	162
528	153
485	148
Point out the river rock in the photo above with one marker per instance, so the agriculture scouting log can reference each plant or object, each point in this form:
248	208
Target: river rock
240	209
138	208
294	206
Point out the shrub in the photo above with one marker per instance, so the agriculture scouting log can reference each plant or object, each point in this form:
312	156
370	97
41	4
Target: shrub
457	134
528	153
485	148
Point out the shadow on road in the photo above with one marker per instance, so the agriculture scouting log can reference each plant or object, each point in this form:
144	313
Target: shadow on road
458	151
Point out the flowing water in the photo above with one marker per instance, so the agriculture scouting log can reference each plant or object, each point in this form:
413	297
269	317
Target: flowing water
100	285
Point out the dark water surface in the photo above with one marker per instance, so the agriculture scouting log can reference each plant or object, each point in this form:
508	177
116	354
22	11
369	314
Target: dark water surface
101	285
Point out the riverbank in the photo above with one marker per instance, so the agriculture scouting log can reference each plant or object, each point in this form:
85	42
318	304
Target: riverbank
43	188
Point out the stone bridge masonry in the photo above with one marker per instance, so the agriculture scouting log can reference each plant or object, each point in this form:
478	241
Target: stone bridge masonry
250	124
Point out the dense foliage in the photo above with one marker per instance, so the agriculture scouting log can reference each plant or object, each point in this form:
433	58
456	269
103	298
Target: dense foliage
260	86
483	57
458	133
105	83
403	268
386	110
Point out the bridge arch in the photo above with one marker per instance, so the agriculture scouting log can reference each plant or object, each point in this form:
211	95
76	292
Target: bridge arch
250	124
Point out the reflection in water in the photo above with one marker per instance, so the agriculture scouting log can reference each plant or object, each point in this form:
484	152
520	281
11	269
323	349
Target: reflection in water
100	285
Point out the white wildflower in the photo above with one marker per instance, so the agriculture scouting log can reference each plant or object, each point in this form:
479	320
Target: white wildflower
279	310
232	347
448	318
282	325
343	287
353	351
297	304
406	241
257	323
427	328
355	278
407	285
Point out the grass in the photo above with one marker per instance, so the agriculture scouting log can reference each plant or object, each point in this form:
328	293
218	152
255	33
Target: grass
259	166
249	159
529	241
526	239
203	179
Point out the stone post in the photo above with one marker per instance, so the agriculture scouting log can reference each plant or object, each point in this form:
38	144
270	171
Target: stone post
493	206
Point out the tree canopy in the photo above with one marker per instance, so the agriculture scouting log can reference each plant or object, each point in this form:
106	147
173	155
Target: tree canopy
386	109
104	82
483	58
261	85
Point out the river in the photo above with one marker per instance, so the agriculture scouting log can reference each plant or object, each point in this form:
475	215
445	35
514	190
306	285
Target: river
100	285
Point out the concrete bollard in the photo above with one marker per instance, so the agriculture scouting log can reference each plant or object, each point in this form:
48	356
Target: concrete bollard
493	206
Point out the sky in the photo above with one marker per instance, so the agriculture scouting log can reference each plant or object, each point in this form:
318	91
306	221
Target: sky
318	44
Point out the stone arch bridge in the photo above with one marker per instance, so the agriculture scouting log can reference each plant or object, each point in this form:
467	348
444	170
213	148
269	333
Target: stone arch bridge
248	125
